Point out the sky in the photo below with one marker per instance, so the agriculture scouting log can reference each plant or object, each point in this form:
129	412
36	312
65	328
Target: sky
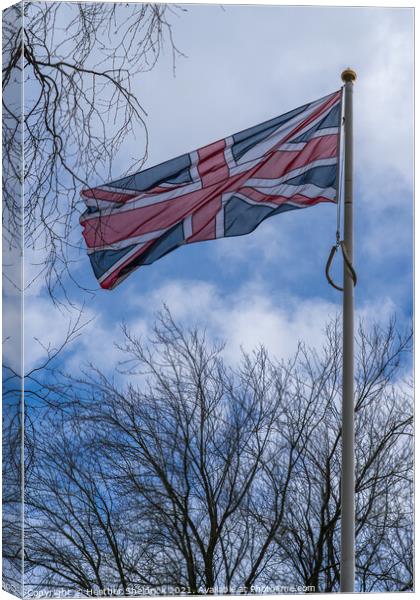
243	65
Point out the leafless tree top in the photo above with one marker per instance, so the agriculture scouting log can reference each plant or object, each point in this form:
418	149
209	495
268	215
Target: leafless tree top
76	63
198	476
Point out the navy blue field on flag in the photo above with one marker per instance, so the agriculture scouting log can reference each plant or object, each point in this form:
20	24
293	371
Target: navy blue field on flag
221	190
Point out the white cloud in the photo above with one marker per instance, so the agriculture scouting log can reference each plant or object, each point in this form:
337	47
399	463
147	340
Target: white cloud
244	319
46	328
384	104
251	316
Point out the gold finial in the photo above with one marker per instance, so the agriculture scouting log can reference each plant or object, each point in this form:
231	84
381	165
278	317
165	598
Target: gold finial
348	75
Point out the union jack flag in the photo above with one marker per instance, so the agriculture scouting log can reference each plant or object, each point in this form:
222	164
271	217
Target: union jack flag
224	189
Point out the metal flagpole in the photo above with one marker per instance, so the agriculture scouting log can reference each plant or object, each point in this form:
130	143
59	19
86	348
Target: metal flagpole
347	565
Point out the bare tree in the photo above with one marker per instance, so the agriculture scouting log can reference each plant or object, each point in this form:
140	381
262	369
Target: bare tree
80	535
77	63
186	454
26	400
384	467
12	516
205	478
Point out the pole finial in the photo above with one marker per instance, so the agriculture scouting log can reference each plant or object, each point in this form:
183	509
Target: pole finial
348	75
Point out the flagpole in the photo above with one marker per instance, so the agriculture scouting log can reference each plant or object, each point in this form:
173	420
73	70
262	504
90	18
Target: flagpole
347	561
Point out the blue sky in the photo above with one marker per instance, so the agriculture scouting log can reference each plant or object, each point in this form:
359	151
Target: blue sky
243	65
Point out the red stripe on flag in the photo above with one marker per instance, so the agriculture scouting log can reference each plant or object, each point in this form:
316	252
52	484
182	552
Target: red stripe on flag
281	162
112	228
100	194
258	197
324	107
203	221
212	166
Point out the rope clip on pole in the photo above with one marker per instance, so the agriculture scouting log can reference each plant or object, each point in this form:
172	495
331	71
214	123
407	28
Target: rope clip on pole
350	268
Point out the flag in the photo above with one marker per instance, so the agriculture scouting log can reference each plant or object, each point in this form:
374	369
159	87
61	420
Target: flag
224	189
